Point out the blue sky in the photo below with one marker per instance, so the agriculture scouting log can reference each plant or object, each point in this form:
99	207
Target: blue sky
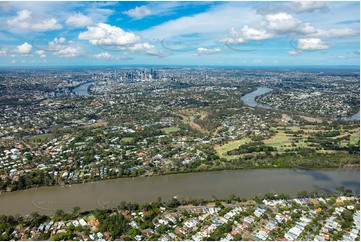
179	33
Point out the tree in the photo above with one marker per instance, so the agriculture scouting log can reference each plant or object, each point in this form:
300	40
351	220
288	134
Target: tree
133	232
75	211
59	214
302	193
173	203
159	200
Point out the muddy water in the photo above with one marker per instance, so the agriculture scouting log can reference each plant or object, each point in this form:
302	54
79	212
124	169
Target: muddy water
244	183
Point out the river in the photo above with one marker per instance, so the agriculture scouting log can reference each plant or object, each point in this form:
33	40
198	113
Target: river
244	183
82	90
249	99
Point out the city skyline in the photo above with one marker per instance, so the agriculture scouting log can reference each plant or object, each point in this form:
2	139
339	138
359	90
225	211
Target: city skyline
179	33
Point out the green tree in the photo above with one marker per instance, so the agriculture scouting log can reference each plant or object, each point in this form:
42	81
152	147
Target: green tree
75	211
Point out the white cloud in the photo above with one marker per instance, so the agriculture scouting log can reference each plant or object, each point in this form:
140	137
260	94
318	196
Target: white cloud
294	52
213	22
206	51
105	34
335	33
138	12
57	41
104	56
274	25
24	49
254	34
284	23
54	45
3	51
79	20
25	21
99	15
70	52
46	25
21	21
309	6
247	33
58	44
292	7
145	48
41	53
311	44
108	35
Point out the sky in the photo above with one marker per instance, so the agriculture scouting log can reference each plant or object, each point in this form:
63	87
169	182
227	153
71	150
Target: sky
209	33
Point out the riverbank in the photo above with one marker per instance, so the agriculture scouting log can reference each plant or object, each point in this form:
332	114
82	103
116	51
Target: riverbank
285	161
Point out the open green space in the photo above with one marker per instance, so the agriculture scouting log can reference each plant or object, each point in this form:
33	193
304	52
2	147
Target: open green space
127	140
284	141
221	150
41	137
79	143
171	129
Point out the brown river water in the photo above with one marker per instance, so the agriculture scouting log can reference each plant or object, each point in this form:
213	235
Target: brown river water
243	183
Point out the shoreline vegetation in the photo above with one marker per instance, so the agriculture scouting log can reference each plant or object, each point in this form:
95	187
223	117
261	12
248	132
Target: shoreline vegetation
308	162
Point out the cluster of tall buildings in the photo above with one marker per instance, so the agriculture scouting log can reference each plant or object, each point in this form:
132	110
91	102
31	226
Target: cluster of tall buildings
133	75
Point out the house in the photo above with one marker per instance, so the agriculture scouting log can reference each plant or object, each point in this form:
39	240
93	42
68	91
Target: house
100	235
262	235
319	238
249	219
75	223
82	222
41	227
61	231
93	222
229	237
173	236
133	224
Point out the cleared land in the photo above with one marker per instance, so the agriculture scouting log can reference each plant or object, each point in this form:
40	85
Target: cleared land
188	116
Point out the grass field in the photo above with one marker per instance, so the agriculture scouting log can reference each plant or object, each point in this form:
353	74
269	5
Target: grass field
127	140
169	130
282	141
230	146
355	137
278	140
310	119
41	137
79	143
